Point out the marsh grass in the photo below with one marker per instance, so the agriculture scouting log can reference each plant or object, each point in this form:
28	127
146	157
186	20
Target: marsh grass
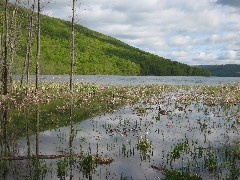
171	174
186	157
62	166
88	165
53	100
39	168
4	168
144	146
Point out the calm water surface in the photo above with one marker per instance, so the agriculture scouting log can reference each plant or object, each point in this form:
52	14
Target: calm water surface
141	80
107	134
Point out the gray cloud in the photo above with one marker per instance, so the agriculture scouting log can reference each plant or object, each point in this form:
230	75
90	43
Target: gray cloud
233	3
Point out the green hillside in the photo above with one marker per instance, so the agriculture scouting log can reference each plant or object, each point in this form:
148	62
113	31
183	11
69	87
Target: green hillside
228	70
95	53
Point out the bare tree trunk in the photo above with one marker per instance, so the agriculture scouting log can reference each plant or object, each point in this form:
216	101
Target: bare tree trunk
23	72
71	138
37	74
37	130
38	45
2	56
13	38
73	48
28	49
5	74
71	90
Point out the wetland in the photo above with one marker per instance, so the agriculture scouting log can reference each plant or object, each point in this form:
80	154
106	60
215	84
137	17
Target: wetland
125	128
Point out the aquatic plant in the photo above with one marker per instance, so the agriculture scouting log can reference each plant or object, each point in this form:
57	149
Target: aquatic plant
171	174
124	149
123	177
144	146
238	119
62	168
39	168
212	109
236	151
3	168
141	109
158	117
87	165
211	161
176	151
203	125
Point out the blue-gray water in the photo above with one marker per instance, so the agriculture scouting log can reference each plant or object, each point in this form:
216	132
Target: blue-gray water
141	80
107	134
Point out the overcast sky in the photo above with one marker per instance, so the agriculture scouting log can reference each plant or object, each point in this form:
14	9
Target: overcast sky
188	31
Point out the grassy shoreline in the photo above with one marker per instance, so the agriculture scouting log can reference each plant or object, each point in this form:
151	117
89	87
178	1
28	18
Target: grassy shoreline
90	99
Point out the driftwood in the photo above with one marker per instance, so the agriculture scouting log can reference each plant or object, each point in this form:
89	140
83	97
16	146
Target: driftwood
159	168
12	158
98	159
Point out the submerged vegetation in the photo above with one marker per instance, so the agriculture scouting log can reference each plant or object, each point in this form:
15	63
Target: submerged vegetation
196	139
145	132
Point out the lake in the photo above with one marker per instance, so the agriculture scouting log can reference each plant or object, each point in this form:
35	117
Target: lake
196	134
140	80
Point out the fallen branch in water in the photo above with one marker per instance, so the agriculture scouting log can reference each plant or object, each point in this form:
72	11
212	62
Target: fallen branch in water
98	159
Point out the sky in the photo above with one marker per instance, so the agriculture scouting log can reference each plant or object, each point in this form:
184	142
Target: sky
189	31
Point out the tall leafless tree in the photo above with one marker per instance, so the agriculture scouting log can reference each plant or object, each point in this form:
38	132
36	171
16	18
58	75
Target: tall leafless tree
27	60
37	130
73	47
8	43
1	55
14	31
5	71
38	43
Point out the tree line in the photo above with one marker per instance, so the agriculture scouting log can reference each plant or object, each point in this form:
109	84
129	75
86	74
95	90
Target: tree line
227	70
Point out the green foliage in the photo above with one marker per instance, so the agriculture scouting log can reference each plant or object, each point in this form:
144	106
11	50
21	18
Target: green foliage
142	109
95	53
171	174
88	164
178	149
158	117
39	168
62	168
3	168
144	146
228	70
211	161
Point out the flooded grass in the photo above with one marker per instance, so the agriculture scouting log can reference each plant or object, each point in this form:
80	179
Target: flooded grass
132	132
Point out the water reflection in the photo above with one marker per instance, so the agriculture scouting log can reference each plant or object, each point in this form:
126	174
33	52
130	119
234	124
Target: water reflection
176	139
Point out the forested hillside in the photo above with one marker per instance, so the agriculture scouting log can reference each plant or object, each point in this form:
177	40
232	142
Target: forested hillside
228	70
95	53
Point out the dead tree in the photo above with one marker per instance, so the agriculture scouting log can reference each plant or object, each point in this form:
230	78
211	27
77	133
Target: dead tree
73	47
27	60
38	43
1	55
5	70
14	31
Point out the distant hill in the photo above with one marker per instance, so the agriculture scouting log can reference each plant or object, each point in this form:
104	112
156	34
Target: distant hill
96	53
228	70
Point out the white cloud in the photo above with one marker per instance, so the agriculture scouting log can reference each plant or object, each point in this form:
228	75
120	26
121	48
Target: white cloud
232	54
192	32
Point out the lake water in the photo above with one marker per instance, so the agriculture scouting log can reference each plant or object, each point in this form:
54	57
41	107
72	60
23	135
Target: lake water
117	134
140	80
